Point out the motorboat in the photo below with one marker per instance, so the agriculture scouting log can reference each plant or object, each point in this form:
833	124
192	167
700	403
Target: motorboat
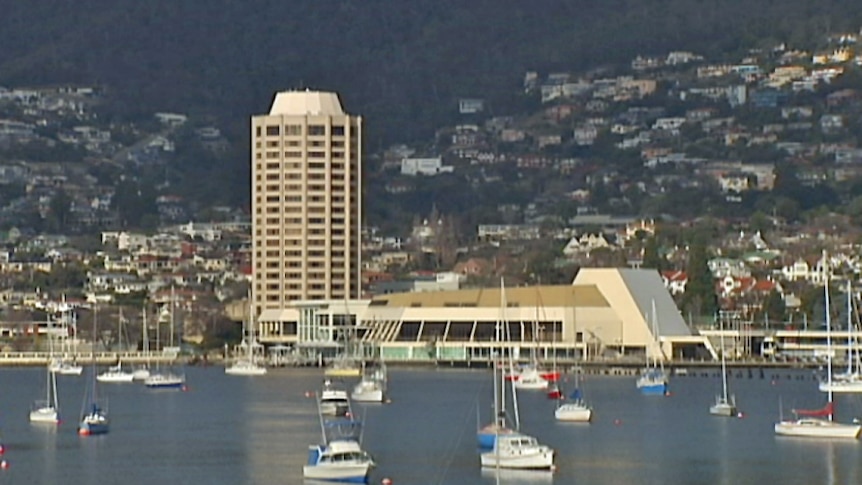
530	379
340	461
518	451
333	401
116	374
368	390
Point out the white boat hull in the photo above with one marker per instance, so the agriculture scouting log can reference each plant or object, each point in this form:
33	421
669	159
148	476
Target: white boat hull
722	409
575	413
841	386
245	369
337	472
540	460
140	374
817	428
45	415
116	377
367	391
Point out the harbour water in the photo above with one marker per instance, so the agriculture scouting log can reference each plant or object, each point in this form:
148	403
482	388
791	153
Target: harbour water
239	430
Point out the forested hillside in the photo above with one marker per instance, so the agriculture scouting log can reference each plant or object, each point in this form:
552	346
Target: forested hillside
401	64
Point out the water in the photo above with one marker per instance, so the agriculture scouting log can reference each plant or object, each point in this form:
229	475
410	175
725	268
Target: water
236	430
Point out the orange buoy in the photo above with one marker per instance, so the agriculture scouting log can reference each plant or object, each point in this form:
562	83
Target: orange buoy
386	481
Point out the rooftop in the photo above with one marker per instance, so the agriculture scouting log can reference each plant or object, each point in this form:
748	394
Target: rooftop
302	103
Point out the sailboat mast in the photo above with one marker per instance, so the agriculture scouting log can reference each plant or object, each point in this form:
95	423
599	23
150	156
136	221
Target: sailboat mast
508	338
723	363
849	329
828	330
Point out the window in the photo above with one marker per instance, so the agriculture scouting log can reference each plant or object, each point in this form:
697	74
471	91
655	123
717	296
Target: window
337	144
257	131
316	155
316	130
317	143
293	130
337	131
272	144
272	131
293	154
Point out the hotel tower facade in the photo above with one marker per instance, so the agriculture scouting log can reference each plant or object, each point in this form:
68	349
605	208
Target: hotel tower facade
306	159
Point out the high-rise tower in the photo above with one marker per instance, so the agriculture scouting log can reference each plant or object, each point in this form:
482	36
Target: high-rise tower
306	165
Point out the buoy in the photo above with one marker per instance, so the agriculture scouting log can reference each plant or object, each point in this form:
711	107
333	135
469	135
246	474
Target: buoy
740	415
2	449
386	481
4	465
185	388
388	401
309	394
618	422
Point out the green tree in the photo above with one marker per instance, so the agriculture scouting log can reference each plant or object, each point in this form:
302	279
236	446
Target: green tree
774	308
651	257
60	211
699	298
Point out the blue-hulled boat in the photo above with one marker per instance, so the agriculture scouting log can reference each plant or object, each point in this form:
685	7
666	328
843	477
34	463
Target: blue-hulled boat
652	381
95	422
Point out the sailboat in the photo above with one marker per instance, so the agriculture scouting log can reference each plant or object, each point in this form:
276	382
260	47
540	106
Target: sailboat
47	410
372	386
116	374
63	365
819	423
142	372
488	434
575	409
851	380
246	365
653	379
166	379
515	450
723	406
94	419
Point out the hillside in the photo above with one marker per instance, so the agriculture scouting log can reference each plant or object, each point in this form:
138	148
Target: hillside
400	64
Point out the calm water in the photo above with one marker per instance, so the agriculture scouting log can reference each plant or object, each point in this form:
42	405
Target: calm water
235	430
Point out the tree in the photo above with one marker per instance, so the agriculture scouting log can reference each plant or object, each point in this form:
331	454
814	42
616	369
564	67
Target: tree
60	210
699	298
651	257
774	308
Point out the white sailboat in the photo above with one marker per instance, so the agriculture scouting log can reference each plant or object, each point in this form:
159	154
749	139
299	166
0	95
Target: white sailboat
849	381
372	386
64	365
516	450
166	379
247	365
47	410
724	405
819	423
116	374
653	380
575	409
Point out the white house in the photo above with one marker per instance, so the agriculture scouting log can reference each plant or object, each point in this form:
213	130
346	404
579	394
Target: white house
424	166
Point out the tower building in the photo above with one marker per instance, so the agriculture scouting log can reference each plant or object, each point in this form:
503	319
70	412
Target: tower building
306	201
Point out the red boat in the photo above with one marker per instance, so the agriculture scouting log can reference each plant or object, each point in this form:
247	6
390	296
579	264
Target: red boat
554	392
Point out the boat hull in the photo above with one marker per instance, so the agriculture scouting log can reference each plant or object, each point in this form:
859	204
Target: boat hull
141	374
726	410
841	386
157	381
367	396
338	473
539	460
116	378
659	389
245	370
93	425
574	413
45	415
817	428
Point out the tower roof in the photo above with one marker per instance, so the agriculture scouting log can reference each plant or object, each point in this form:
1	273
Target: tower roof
301	103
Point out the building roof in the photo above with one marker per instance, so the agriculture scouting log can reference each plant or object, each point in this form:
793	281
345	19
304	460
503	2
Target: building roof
302	103
534	296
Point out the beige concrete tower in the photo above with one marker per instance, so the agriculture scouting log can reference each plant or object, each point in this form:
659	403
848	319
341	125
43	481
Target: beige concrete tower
306	165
